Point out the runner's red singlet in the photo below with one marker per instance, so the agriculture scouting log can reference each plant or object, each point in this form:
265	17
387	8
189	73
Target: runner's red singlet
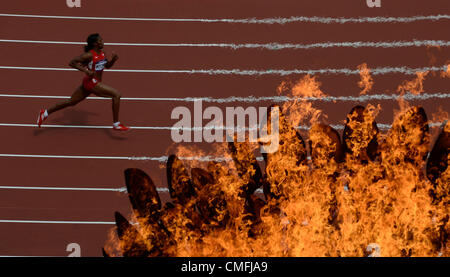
97	65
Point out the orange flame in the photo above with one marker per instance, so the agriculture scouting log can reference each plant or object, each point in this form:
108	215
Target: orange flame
359	192
366	82
446	73
414	86
300	110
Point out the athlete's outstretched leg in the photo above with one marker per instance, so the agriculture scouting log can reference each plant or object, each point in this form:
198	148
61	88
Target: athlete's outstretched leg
79	95
103	90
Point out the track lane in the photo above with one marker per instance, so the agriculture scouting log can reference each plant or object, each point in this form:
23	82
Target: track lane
181	58
198	85
220	9
52	239
61	205
87	173
157	114
175	32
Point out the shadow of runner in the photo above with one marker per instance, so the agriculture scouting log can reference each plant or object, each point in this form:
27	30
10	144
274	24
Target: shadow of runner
117	135
73	117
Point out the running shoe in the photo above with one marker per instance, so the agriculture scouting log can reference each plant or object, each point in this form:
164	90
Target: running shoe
121	127
41	118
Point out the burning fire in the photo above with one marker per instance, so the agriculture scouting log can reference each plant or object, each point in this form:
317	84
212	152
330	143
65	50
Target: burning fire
366	82
446	73
365	194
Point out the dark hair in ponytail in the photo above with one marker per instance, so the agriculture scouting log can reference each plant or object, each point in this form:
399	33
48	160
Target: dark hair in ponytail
90	42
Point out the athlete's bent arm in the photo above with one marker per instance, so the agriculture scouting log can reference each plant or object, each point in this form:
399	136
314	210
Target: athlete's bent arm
79	62
111	62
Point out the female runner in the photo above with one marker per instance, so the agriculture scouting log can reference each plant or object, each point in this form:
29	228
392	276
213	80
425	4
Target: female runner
92	63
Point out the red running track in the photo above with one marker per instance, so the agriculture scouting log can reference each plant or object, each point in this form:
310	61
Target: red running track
88	193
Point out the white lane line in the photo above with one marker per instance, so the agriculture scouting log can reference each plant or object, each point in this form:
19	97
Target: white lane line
64	188
335	126
93	126
255	99
268	46
45	96
279	20
37	68
58	222
123	189
30	256
159	128
332	71
161	159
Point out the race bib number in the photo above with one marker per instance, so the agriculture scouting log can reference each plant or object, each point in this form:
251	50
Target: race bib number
100	65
